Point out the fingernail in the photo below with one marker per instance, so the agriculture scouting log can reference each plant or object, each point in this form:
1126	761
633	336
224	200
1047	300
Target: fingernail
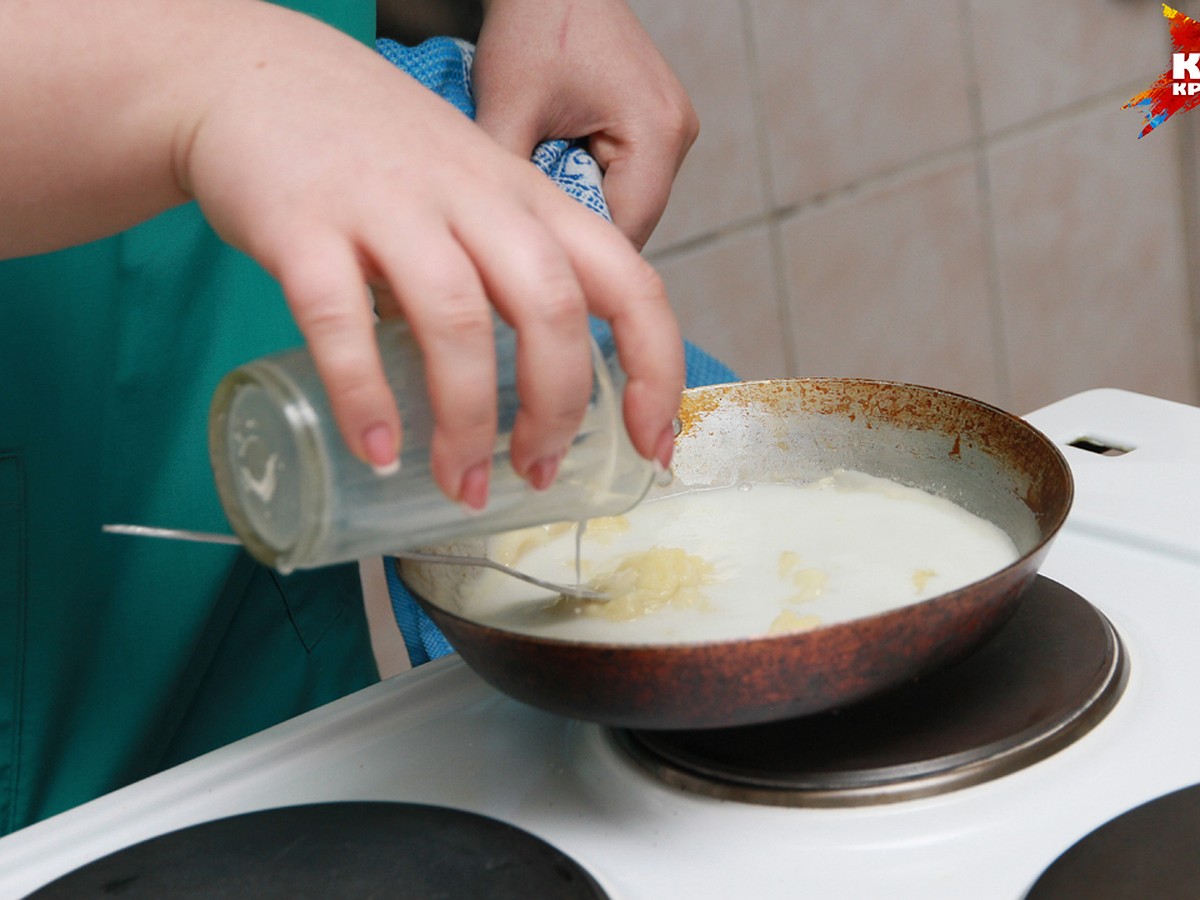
662	476
379	444
665	448
473	489
391	469
541	474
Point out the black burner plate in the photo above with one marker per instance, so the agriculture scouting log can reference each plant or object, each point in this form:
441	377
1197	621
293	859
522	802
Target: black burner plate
351	850
1047	677
1150	851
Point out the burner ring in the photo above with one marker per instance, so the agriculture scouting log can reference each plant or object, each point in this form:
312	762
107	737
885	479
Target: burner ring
336	849
1046	679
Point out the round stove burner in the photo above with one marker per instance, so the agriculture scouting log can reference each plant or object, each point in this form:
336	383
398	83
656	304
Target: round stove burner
1149	851
337	850
1049	675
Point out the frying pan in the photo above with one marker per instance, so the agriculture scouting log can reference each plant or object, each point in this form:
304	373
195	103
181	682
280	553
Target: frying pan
991	463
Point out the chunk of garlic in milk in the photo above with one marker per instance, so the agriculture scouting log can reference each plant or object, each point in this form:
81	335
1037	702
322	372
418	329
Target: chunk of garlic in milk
744	561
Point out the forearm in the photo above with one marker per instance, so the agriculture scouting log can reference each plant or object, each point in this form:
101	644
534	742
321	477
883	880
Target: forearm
98	103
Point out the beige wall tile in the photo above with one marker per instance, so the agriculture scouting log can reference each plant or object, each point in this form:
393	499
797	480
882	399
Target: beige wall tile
1034	57
845	98
724	296
891	283
1090	258
885	253
720	183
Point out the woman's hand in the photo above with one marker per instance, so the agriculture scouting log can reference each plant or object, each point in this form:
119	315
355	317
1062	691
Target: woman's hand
549	69
337	172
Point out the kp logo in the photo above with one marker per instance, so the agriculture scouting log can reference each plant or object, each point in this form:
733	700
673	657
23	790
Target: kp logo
1177	89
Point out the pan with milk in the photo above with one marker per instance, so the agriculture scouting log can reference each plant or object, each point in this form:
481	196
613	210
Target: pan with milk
742	561
766	532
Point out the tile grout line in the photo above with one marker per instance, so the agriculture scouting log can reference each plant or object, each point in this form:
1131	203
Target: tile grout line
875	181
983	188
1188	145
783	306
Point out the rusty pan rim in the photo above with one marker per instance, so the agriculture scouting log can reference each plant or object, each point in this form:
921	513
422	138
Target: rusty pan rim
1053	525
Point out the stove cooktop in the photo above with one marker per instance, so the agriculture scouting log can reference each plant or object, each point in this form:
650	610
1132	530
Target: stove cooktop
439	736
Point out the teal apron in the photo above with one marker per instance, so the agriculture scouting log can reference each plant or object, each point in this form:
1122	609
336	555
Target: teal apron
121	656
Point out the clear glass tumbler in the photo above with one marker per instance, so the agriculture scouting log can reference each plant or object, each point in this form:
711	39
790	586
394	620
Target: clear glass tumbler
298	498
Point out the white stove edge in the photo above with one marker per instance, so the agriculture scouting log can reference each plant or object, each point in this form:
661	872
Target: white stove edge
930	847
1163	438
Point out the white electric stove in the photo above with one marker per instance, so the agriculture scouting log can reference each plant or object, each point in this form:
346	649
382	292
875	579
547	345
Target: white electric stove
439	735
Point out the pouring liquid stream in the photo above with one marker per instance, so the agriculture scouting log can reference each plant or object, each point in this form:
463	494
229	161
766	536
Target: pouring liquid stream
581	527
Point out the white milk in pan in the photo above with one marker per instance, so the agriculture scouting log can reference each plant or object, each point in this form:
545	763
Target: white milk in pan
743	561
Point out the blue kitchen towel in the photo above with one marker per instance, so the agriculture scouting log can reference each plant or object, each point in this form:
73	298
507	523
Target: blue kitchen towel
444	66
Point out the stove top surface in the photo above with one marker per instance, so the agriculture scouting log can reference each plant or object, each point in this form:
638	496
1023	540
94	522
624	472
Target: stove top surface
440	736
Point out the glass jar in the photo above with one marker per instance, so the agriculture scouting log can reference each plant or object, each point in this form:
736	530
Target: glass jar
298	498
